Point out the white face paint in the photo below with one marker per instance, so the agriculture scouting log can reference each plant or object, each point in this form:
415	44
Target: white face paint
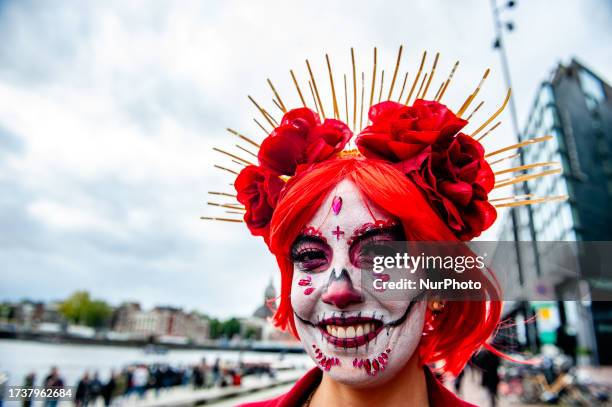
350	331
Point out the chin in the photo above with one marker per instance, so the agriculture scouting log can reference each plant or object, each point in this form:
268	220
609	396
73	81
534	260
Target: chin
358	349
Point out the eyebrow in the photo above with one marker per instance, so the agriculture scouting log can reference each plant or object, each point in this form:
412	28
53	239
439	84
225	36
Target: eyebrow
395	230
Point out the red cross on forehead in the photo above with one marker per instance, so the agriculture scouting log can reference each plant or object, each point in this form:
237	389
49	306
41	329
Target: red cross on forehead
338	232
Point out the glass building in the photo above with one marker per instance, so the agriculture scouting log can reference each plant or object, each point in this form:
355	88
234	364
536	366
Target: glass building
575	107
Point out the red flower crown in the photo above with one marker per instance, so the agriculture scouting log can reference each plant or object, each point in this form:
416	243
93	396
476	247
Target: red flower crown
423	141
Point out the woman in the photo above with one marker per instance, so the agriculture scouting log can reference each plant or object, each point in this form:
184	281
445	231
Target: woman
325	211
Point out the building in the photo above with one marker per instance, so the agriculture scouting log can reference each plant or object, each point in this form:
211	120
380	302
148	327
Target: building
259	326
160	322
575	107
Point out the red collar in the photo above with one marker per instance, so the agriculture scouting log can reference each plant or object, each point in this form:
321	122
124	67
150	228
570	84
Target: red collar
439	396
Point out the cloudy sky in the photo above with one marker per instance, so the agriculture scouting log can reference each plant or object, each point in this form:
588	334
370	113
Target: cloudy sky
109	110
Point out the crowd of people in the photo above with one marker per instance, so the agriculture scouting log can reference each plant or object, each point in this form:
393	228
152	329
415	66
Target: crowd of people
136	380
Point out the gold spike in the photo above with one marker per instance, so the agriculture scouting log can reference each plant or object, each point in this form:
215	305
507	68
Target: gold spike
439	91
314	98
431	75
235	212
497	113
514	198
346	100
354	89
246	151
475	110
362	96
397	64
382	84
238	162
533	201
316	91
221	219
418	96
526	167
333	89
297	87
403	87
526	177
233	156
261	126
471	97
278	98
450	77
416	79
222	194
496	125
225	169
264	113
519	145
277	105
245	138
510	157
230	206
373	81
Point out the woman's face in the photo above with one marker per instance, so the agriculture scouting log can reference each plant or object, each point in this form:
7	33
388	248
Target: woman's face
352	331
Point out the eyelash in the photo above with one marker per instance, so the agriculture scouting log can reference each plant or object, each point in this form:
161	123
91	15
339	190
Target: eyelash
319	261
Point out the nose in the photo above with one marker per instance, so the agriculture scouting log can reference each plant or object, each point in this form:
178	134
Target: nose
340	291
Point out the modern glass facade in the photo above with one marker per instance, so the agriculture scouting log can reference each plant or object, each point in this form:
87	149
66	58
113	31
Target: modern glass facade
575	107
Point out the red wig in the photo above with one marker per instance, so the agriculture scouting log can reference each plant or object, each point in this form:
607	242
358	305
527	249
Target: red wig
453	335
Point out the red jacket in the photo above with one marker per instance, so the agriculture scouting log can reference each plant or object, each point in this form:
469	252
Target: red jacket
439	396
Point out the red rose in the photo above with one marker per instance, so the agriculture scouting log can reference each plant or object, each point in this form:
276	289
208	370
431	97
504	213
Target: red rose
399	132
258	191
301	139
456	179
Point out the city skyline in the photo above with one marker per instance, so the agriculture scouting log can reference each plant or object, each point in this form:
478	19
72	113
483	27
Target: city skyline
105	150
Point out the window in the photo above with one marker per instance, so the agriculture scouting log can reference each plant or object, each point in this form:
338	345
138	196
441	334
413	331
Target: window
592	88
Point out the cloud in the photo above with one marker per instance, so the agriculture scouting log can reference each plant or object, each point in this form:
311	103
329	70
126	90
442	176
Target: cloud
108	112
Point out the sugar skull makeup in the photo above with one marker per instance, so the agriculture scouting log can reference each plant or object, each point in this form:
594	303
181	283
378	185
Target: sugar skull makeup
352	332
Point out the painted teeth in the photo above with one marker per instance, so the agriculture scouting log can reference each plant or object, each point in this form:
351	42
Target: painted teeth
351	331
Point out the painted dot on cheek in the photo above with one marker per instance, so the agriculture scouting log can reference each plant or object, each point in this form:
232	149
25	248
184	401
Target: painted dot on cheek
305	281
309	291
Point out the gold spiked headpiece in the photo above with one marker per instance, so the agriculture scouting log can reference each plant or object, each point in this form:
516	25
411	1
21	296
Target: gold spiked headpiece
388	113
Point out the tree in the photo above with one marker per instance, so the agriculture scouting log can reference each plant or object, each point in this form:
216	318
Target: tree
79	308
231	327
215	328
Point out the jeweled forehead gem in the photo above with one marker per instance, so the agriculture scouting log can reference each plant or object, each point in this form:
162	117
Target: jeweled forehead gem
337	205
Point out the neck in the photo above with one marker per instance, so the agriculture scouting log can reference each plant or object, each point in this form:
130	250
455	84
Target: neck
407	388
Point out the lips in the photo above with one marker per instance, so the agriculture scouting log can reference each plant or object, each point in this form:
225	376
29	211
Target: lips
350	332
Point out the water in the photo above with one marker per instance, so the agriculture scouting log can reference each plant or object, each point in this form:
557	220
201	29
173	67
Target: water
19	358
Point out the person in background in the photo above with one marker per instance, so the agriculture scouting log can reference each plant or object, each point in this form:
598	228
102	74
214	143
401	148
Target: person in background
83	391
3	382
53	380
198	377
236	377
95	388
140	379
28	382
121	385
216	371
489	363
109	388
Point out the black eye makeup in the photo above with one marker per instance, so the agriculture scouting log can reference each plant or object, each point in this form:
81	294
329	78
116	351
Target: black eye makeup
311	254
373	243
